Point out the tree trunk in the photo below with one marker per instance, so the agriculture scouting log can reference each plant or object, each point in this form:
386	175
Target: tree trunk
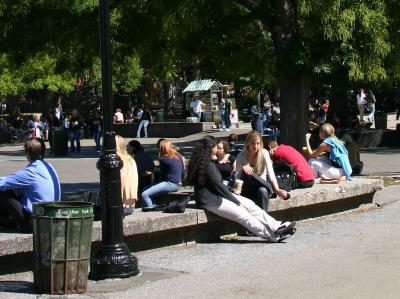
295	93
13	107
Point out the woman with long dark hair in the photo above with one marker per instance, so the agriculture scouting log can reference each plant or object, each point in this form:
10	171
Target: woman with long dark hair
212	195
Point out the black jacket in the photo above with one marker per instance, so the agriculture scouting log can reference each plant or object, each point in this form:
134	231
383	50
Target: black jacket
214	189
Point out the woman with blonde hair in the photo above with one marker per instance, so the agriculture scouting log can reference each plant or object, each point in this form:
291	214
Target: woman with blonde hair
171	173
330	161
255	161
129	177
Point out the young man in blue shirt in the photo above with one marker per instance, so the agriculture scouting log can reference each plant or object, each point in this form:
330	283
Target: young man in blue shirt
37	182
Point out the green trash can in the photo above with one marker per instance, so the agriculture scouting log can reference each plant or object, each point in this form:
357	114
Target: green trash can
160	116
59	141
62	235
380	120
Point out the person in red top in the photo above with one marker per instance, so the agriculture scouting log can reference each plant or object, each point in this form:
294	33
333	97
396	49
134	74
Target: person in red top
305	175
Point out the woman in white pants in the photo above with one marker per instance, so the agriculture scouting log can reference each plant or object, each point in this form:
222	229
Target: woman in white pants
212	195
330	161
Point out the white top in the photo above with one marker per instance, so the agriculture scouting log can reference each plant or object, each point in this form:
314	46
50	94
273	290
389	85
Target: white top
361	99
118	116
196	105
268	170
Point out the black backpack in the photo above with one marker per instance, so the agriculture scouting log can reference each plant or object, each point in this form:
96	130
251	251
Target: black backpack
285	175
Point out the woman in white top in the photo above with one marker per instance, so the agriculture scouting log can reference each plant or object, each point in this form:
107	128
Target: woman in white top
361	101
256	159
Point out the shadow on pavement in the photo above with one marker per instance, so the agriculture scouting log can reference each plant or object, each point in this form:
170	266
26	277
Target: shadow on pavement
17	286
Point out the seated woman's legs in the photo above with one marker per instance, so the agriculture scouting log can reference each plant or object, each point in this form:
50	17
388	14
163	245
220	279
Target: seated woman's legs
232	211
323	168
258	213
259	196
157	190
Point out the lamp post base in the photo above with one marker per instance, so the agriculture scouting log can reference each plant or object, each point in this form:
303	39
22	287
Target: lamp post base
113	261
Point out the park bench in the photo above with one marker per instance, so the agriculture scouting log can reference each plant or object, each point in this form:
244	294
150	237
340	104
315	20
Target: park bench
144	231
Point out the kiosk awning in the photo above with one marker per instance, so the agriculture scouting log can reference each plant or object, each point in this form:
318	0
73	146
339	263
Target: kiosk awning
203	85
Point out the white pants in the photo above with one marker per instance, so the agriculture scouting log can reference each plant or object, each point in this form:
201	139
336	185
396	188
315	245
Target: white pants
144	124
250	216
322	167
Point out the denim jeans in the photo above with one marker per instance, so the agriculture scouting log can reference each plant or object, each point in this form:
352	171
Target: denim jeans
157	190
144	124
75	135
96	137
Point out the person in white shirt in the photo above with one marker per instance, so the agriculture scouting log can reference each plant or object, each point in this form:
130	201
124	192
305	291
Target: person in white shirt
361	101
118	116
196	107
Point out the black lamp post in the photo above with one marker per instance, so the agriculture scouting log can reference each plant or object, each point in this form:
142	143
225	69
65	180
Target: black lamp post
113	259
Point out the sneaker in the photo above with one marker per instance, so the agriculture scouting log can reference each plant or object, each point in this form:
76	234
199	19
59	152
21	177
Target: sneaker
286	226
287	234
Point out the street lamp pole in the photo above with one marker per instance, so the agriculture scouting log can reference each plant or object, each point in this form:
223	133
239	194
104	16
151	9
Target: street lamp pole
113	259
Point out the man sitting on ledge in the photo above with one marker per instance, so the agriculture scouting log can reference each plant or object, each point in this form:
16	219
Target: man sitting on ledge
305	175
38	182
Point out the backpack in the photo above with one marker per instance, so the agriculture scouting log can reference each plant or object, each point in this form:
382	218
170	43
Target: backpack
285	175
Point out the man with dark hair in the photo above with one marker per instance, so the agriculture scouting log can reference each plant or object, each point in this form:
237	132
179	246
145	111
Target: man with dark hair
305	175
38	182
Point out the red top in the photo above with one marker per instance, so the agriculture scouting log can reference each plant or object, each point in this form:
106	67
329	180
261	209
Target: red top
293	157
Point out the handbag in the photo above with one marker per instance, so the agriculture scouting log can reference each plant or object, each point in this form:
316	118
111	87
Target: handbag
254	181
177	206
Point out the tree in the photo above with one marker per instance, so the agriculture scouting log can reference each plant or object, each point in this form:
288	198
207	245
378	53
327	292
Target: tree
297	41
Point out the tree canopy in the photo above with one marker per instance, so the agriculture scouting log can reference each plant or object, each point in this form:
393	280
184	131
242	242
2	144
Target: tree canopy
288	43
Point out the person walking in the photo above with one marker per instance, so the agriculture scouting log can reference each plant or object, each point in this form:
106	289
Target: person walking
228	112
212	195
361	101
221	107
196	107
145	120
371	100
75	126
96	125
35	126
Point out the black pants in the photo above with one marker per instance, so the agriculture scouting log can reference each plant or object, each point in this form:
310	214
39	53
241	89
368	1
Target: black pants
11	206
260	196
305	184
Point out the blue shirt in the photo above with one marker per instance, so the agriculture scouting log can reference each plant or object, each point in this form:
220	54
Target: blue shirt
38	182
172	170
339	155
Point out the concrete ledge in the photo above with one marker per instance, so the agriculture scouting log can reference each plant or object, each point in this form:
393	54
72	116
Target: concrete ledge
156	229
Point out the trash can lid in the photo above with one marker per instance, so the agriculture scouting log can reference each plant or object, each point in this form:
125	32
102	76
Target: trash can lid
72	209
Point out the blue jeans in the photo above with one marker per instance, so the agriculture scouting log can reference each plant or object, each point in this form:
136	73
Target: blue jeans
96	137
157	190
75	135
144	124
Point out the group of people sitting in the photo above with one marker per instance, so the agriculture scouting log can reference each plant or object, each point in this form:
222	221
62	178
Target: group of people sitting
216	169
